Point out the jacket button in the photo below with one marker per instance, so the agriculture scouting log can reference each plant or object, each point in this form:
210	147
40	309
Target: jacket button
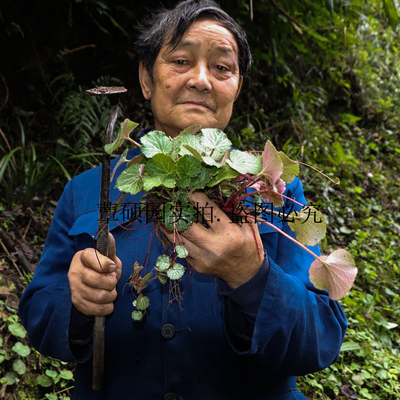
168	332
172	396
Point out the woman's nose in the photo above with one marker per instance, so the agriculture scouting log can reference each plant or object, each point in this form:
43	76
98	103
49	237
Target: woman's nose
199	78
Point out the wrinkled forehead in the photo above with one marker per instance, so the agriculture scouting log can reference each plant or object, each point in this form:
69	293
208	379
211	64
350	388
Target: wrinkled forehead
202	29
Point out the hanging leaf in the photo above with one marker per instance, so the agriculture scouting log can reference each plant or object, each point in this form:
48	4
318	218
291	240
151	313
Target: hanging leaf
137	315
126	128
336	273
290	168
163	262
245	163
162	278
309	226
181	251
142	302
130	180
272	163
176	272
155	142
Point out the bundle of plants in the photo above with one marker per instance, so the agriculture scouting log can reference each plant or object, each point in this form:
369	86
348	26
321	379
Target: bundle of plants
248	186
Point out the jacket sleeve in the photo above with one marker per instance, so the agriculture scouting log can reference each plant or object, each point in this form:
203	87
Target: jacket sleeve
46	304
298	329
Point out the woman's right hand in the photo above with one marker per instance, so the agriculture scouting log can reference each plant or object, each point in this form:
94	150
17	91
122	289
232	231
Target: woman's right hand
93	280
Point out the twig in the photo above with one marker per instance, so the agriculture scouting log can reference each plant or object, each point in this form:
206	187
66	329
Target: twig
27	228
299	24
10	258
251	10
67	52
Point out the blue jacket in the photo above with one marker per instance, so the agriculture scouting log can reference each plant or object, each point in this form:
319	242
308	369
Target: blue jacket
221	347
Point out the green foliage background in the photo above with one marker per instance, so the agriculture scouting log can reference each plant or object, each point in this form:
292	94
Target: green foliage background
324	88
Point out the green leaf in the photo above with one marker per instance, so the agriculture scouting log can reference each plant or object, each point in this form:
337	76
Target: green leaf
44	381
290	168
142	302
130	180
52	396
204	178
176	272
19	367
17	330
191	130
51	373
21	349
155	142
137	315
216	141
391	13
67	375
181	251
162	278
244	162
223	174
126	128
188	166
309	226
335	273
163	262
350	346
11	378
191	144
161	168
150	182
180	214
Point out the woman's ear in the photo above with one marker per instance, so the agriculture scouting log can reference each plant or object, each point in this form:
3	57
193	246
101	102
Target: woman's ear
145	81
239	87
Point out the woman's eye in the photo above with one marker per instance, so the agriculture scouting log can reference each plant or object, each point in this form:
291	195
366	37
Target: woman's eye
222	68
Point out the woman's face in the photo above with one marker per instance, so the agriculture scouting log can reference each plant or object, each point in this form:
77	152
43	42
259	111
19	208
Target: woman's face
195	83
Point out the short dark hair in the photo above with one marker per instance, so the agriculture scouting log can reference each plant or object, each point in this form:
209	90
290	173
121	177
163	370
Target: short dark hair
154	30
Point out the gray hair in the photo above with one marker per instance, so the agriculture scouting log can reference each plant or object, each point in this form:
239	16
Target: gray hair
174	23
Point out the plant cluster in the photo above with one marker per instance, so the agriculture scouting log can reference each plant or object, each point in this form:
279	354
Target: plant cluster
169	169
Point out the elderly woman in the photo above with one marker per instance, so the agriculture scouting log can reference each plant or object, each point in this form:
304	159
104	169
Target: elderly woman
249	324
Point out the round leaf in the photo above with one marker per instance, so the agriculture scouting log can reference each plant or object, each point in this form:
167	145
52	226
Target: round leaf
19	367
336	273
309	226
21	349
163	262
142	302
216	141
130	180
181	251
44	381
137	315
155	142
176	272
67	375
244	163
162	278
17	330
